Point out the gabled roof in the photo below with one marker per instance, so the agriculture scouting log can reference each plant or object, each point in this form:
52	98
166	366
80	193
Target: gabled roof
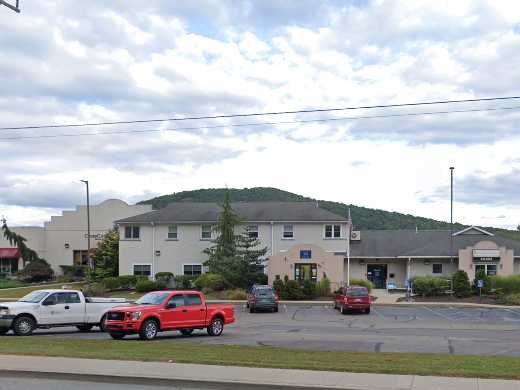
473	230
412	243
198	212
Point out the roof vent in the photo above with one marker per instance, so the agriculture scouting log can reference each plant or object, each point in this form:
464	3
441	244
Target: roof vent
355	235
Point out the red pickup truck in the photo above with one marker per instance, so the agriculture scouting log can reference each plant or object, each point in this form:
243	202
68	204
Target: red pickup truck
160	311
352	298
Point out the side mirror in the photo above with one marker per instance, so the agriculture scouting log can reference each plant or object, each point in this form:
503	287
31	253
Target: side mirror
171	305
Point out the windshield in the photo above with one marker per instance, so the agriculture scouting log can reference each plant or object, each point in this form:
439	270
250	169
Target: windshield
357	292
34	297
152	299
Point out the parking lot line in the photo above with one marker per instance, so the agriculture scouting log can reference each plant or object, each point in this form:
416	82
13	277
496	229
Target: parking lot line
377	313
439	314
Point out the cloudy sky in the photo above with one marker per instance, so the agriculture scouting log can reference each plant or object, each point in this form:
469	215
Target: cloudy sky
68	62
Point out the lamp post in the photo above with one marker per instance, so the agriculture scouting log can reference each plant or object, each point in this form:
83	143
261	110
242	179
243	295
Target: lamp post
451	214
88	225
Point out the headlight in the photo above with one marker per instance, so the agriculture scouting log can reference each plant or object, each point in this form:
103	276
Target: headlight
4	311
134	315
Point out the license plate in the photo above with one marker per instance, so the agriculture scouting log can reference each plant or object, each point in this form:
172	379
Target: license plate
357	300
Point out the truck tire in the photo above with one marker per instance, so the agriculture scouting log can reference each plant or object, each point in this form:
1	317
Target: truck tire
3	331
216	327
117	336
24	325
84	328
149	330
186	332
102	324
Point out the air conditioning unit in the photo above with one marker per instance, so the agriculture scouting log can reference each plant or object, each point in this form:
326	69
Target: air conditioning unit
355	235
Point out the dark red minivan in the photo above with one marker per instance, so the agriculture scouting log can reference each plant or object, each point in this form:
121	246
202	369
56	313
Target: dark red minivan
352	298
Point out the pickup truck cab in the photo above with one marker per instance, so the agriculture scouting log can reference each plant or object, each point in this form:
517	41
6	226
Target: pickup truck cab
54	308
352	298
160	311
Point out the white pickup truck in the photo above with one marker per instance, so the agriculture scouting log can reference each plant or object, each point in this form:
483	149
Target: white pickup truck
55	308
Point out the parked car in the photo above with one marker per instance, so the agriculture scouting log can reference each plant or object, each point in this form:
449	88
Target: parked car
160	311
54	308
352	298
262	297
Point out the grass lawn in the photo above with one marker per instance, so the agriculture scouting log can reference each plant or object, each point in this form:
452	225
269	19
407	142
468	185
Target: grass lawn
20	292
165	350
9	283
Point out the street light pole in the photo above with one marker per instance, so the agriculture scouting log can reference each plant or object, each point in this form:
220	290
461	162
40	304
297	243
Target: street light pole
88	226
451	214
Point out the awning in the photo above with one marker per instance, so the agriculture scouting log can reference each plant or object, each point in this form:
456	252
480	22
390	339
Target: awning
9	253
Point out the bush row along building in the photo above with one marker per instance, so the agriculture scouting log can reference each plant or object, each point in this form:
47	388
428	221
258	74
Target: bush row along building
303	240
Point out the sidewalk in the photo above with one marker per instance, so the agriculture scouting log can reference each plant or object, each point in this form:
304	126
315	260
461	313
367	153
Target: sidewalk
235	377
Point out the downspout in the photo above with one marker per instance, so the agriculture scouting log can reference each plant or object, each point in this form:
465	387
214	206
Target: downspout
272	238
153	250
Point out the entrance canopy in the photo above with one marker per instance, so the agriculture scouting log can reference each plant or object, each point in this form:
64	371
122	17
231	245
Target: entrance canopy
9	253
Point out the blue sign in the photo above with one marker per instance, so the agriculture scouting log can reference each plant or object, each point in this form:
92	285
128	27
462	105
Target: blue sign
480	283
305	254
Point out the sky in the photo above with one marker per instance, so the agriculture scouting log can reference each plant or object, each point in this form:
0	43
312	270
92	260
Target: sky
66	62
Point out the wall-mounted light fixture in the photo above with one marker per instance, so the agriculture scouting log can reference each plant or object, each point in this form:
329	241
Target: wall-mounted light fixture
426	262
361	261
67	246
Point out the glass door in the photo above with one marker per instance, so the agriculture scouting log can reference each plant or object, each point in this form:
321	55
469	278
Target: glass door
305	272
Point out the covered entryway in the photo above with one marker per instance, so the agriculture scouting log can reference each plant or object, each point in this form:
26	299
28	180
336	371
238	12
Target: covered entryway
377	274
9	258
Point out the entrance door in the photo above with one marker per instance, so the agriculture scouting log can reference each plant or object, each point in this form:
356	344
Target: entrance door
305	272
377	274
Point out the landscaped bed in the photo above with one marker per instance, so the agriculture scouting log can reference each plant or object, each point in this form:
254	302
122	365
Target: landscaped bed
170	350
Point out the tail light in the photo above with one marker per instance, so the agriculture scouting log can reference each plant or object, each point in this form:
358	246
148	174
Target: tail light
276	297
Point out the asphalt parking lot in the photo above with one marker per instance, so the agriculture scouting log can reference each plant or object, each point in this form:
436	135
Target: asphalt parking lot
453	330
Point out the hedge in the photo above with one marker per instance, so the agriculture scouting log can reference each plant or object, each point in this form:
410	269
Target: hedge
429	286
362	282
149	285
506	284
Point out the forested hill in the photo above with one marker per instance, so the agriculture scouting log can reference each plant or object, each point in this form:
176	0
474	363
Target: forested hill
363	218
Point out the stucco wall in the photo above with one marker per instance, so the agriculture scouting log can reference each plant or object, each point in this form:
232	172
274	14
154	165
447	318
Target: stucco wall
517	267
419	268
504	267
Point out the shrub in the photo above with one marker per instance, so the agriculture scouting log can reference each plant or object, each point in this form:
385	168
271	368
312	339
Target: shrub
183	282
235	294
36	271
461	286
210	281
309	289
429	286
279	287
482	275
127	282
362	282
293	290
149	285
64	279
506	284
74	271
510	299
164	276
323	288
111	283
94	290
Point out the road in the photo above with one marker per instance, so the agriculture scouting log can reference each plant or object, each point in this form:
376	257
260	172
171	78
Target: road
477	331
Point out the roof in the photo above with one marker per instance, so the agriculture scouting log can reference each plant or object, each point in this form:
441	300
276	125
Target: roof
421	243
198	212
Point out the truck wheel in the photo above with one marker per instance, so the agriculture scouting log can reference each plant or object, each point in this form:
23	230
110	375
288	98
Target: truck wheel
117	336
148	330
3	331
103	323
24	326
216	327
186	332
84	328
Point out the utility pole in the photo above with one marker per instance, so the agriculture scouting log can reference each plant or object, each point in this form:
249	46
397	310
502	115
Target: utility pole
451	214
349	234
88	226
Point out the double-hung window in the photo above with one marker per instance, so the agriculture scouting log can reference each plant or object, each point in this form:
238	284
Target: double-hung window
192	269
437	268
132	232
205	232
172	232
332	231
288	231
142	269
252	231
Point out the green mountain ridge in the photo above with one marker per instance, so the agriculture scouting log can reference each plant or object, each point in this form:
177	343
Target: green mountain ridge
362	217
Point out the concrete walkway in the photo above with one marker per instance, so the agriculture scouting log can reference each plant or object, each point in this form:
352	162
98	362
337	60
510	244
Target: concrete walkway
235	377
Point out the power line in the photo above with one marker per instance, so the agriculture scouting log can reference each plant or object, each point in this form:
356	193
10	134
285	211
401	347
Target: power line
262	113
115	132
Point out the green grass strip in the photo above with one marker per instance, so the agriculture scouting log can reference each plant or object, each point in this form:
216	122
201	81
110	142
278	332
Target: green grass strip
188	352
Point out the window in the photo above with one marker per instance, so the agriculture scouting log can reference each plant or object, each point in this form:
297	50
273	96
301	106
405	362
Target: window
332	231
252	231
192	300
131	232
142	269
172	232
80	257
192	269
178	300
288	231
69	297
205	232
306	272
489	269
437	268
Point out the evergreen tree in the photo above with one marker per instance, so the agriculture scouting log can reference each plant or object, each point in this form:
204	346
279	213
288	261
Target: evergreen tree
253	258
28	255
106	256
